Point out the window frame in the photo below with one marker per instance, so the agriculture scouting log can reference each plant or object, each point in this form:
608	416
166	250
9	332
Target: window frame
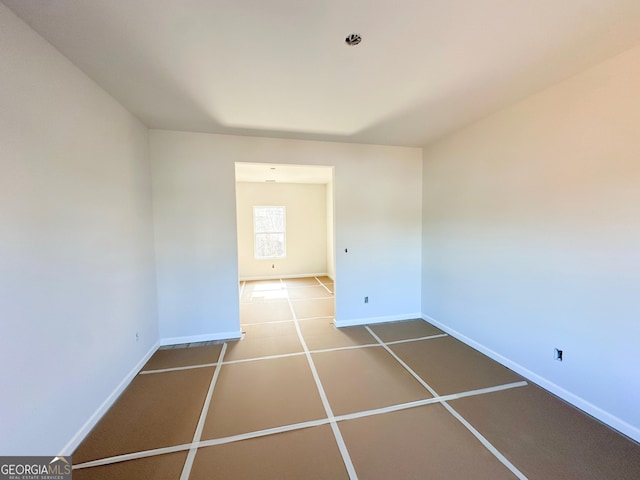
256	256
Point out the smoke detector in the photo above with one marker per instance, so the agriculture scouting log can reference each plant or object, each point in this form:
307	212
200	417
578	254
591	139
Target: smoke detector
353	39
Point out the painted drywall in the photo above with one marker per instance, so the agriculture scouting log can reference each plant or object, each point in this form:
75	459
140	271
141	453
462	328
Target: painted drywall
377	195
531	237
331	251
306	229
76	245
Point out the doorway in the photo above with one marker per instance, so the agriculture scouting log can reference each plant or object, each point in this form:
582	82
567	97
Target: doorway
286	262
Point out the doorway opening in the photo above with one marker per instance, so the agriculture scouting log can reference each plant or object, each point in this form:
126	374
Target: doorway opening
286	254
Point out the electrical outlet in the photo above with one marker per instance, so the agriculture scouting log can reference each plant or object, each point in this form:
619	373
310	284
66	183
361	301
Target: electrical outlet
366	299
557	354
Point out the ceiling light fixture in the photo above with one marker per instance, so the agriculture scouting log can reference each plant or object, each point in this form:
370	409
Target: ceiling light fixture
353	39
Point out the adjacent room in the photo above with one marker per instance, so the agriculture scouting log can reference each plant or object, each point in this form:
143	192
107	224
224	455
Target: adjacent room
327	239
284	221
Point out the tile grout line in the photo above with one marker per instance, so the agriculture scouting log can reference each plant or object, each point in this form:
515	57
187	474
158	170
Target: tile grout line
282	300
488	445
296	426
408	340
177	369
317	318
285	321
286	287
314	298
325	287
265	323
293	354
329	294
325	296
428	401
348	347
132	456
454	413
406	367
346	458
188	464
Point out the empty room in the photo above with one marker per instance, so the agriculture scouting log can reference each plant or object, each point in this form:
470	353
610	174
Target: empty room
320	240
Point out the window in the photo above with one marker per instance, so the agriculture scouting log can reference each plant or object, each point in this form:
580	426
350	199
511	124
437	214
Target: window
269	232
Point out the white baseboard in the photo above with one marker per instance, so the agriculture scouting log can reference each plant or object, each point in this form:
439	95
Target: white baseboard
368	321
75	441
207	337
578	402
275	277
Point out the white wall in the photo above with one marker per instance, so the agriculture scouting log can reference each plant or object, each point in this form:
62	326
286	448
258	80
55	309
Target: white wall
76	260
331	250
377	217
306	228
532	237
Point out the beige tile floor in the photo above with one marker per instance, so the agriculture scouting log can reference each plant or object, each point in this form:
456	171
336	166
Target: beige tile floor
298	398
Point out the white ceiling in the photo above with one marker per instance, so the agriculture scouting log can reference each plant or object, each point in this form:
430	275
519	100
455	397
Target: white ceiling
281	68
265	172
